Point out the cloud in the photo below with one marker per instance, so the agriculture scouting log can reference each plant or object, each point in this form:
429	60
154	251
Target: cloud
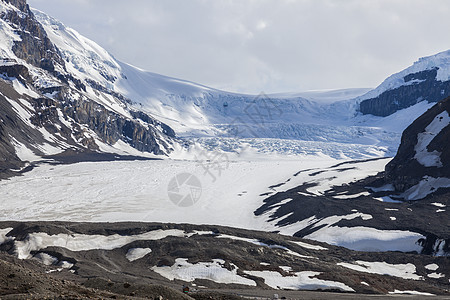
264	45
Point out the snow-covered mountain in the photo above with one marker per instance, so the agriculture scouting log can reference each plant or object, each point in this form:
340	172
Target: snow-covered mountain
48	109
216	118
428	79
278	163
68	66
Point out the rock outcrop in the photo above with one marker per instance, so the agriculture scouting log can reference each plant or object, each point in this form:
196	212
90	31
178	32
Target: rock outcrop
417	87
424	150
34	47
43	106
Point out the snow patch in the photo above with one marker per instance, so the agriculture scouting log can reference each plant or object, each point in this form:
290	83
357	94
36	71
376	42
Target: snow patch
368	239
425	187
214	271
82	242
309	246
406	271
432	267
137	253
423	156
46	259
24	153
259	243
299	281
411	293
3	237
436	275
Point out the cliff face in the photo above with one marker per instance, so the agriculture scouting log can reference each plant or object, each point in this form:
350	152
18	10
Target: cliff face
417	87
34	47
20	4
46	110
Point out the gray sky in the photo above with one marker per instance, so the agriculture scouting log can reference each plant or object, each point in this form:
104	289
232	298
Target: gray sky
263	45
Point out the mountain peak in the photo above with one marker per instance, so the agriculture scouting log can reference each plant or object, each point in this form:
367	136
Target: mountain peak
20	4
428	79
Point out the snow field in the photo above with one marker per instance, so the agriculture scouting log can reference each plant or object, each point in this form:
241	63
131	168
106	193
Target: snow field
299	281
406	271
214	271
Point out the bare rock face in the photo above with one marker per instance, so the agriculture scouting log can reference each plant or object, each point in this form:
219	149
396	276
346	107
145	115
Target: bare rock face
63	109
35	47
20	4
418	87
424	149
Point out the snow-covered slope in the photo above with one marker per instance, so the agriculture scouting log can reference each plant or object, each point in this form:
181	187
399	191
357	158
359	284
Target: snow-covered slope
50	106
205	114
427	79
440	61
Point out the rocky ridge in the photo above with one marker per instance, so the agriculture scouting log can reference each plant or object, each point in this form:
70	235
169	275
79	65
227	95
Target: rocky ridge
43	104
426	80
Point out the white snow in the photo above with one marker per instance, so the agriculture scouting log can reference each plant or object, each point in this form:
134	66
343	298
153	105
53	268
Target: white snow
352	196
82	242
368	239
24	153
286	268
3	233
385	188
299	281
298	131
137	253
411	293
23	90
425	187
432	267
325	96
440	61
309	246
46	259
65	264
137	190
259	243
423	156
344	174
436	275
406	271
325	222
325	119
214	271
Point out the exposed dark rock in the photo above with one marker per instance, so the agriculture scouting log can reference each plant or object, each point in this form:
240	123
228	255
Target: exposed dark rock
404	171
109	270
34	47
20	4
83	114
427	88
16	71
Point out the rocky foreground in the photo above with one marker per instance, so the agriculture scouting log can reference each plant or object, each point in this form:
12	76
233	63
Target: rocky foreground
148	260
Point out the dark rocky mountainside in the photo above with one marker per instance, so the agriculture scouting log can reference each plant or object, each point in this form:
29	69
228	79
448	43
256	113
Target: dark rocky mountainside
97	255
417	87
46	110
407	169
